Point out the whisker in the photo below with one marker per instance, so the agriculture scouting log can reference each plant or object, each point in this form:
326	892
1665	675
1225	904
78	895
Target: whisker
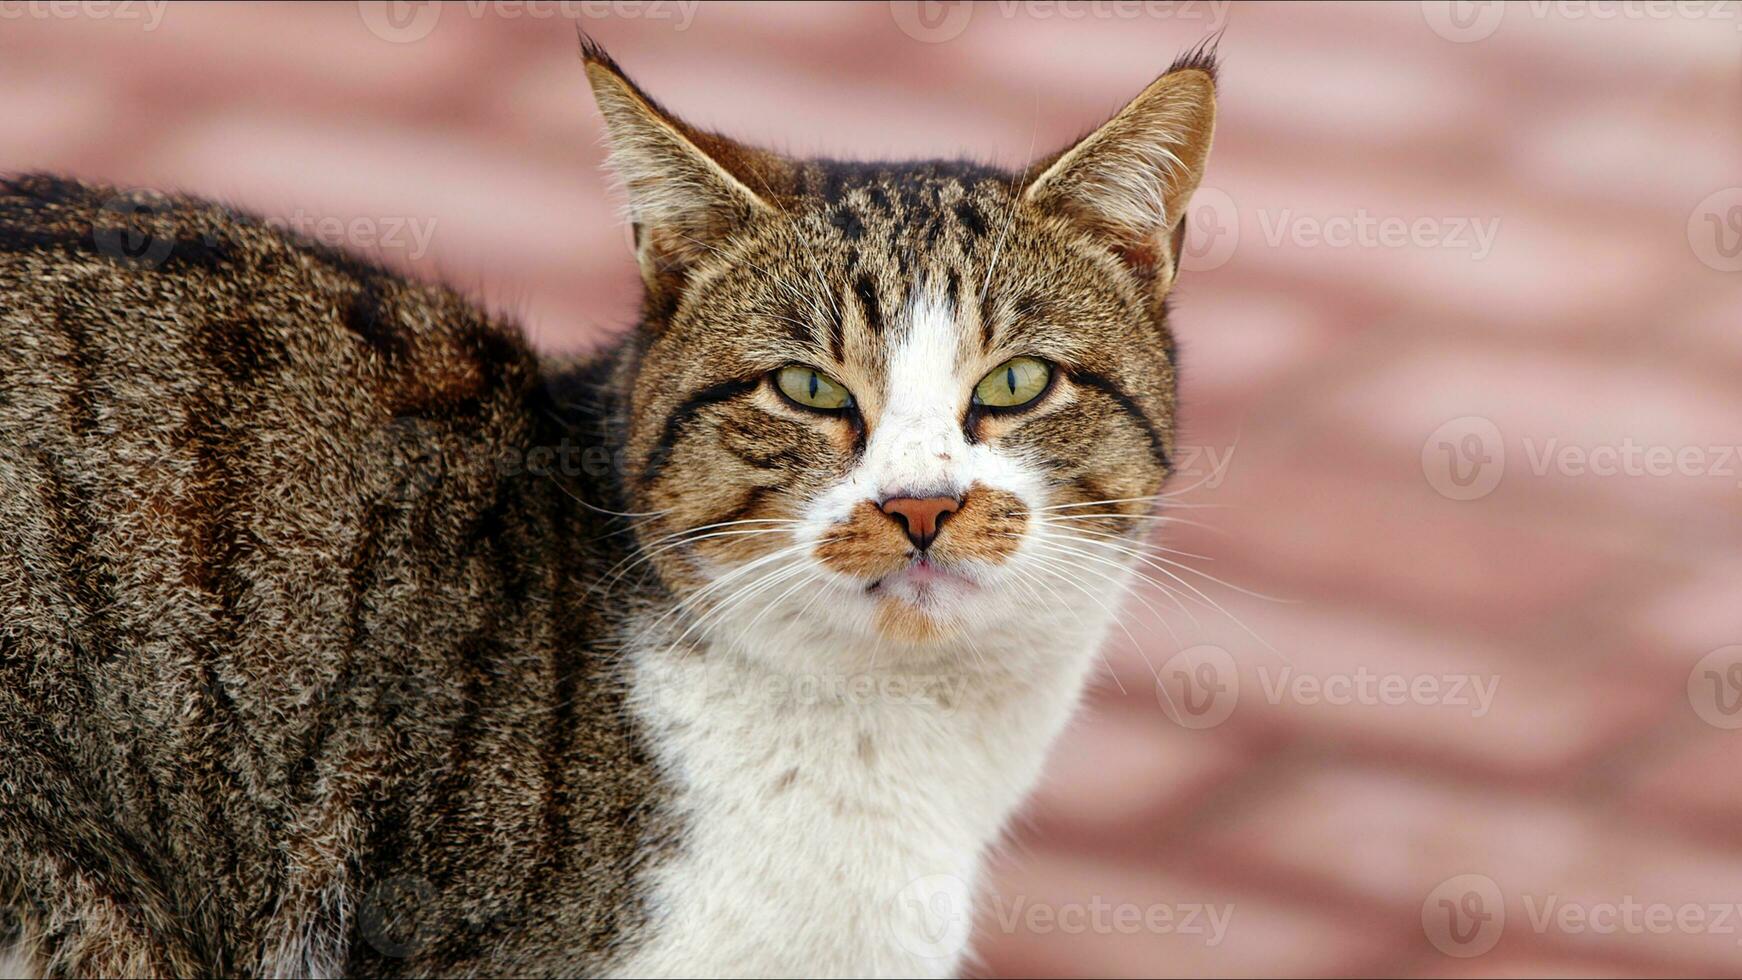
647	554
1068	531
1114	515
1111	615
1199	593
1125	568
1029	580
682	605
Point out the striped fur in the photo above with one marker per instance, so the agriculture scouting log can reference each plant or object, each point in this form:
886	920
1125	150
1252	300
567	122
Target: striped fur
341	634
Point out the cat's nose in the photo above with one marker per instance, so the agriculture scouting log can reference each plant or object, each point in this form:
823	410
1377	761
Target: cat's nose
921	517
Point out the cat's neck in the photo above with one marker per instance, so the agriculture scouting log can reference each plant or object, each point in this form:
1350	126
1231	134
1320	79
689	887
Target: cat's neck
831	816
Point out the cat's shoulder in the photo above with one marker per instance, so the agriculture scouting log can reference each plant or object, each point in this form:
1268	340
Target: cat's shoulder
180	282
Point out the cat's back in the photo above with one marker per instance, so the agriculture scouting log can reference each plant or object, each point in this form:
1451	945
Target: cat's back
194	404
252	518
133	298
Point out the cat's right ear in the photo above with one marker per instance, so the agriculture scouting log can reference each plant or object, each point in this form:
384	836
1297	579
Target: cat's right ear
1129	181
687	188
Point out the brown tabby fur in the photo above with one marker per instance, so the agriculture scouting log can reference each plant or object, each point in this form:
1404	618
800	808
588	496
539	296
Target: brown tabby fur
284	634
310	585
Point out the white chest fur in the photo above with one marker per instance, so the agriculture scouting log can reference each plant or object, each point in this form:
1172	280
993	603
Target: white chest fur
835	825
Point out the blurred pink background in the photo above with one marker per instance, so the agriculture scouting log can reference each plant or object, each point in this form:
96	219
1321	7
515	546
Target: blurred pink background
1462	334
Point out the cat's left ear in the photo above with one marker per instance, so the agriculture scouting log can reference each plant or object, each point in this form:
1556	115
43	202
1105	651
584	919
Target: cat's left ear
688	188
1130	180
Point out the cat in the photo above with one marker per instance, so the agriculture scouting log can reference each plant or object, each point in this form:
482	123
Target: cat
341	633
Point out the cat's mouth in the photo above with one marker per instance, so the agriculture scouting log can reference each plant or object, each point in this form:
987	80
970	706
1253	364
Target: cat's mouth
923	581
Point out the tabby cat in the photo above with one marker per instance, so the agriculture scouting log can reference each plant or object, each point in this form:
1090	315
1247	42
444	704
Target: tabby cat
341	633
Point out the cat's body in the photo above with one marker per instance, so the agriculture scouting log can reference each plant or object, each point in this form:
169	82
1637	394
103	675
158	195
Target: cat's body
339	634
281	625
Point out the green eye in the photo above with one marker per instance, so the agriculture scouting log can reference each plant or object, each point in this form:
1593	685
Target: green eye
1017	381
812	388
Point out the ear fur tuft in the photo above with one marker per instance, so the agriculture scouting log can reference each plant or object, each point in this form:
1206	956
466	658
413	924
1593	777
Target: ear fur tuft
1130	180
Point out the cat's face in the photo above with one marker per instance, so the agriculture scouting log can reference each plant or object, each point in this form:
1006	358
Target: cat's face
908	404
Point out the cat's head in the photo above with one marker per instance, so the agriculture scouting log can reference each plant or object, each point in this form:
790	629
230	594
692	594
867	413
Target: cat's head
912	404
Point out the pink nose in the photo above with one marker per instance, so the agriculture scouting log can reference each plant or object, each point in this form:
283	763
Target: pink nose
921	517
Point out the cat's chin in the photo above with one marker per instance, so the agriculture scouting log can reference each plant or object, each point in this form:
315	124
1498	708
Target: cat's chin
924	584
922	602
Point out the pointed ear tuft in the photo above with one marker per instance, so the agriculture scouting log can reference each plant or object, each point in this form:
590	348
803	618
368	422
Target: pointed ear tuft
687	188
1130	180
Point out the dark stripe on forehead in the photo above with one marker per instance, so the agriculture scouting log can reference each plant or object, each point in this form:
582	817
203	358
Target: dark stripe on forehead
866	291
988	303
971	219
683	415
798	326
1157	447
848	222
837	335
